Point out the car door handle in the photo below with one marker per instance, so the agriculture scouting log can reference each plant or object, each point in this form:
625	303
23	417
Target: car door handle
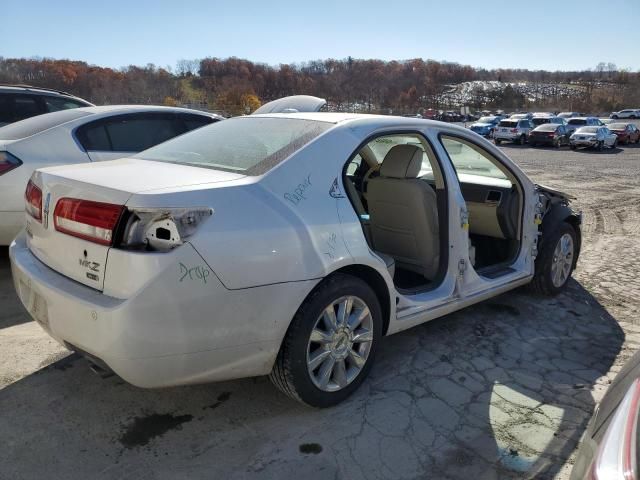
493	197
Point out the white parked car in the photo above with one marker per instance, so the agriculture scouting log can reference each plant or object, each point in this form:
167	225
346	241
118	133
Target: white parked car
594	137
80	135
510	130
282	244
627	113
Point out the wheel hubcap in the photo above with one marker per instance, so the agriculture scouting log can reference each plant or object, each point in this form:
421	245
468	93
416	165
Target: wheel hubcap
340	343
562	260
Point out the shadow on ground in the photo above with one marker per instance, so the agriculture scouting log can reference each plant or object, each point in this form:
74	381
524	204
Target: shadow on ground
499	390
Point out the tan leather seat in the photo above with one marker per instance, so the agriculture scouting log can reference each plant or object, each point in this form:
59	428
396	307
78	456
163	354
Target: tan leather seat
404	212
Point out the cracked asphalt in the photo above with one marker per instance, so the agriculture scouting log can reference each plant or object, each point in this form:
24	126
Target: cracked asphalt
500	390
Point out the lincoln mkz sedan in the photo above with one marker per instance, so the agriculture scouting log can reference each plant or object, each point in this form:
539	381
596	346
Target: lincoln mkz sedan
282	244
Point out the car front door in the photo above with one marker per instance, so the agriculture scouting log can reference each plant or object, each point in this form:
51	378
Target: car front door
497	220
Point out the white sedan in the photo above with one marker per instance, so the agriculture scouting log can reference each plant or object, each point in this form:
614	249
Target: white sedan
282	244
78	136
594	137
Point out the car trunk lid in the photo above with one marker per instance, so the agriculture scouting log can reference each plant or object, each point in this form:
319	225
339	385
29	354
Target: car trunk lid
102	188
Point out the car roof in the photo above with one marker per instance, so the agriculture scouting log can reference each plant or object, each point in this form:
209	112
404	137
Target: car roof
5	88
349	120
115	109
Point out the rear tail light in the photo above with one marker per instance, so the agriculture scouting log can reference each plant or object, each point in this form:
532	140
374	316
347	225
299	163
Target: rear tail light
616	455
162	229
93	221
514	130
8	162
33	200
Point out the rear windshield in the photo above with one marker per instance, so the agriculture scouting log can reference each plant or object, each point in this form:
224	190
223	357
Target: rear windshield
487	119
547	127
508	123
577	121
540	120
587	130
247	145
31	126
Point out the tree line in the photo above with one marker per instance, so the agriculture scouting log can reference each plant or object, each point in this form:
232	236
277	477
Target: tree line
235	86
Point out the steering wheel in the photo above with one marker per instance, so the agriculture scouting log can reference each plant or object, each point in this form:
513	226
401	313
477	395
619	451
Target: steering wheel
367	176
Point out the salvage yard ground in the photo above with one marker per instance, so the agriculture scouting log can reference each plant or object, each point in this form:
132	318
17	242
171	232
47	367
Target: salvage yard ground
500	390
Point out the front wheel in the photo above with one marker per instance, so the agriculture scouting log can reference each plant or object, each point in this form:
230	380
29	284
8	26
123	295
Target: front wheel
555	261
331	343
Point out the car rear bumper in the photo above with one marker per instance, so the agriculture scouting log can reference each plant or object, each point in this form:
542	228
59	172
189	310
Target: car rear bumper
506	136
172	331
542	140
584	143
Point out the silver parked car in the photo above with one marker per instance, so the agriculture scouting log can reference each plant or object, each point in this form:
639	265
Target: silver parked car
576	122
595	137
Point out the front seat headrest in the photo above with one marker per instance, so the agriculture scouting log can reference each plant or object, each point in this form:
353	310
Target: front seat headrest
402	161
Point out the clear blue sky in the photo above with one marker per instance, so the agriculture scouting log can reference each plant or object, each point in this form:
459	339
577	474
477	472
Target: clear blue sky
539	34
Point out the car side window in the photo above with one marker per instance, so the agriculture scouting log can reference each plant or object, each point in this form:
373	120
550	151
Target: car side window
354	165
192	121
134	134
54	104
470	159
25	106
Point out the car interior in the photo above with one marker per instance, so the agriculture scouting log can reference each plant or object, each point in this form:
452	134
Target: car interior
397	189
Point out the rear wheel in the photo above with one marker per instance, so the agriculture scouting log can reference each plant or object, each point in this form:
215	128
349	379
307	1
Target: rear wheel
572	147
331	343
615	117
497	141
555	261
556	143
522	140
533	144
600	146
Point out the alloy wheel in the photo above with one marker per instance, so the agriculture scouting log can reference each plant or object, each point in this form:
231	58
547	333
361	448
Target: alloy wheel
562	260
340	343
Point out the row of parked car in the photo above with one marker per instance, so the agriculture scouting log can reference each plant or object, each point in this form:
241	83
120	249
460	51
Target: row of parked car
567	128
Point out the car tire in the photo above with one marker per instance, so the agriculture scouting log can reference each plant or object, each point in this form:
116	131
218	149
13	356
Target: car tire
615	144
497	141
572	147
557	143
293	372
522	140
633	117
600	146
615	117
544	281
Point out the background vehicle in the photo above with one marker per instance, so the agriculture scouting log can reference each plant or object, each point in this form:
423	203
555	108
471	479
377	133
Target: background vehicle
18	102
627	113
595	137
577	122
549	134
540	120
512	130
626	132
568	115
220	221
520	116
485	126
80	135
609	447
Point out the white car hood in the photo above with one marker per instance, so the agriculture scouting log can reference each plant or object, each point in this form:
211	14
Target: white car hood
136	175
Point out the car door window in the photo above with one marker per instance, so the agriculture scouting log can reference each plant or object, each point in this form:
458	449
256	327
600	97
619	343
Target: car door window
470	159
54	104
134	134
192	121
25	106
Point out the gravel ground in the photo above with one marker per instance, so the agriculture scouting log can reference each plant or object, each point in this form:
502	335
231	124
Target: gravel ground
499	390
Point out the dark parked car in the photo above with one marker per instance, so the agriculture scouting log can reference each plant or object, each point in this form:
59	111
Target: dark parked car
627	132
609	445
549	134
18	102
548	119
